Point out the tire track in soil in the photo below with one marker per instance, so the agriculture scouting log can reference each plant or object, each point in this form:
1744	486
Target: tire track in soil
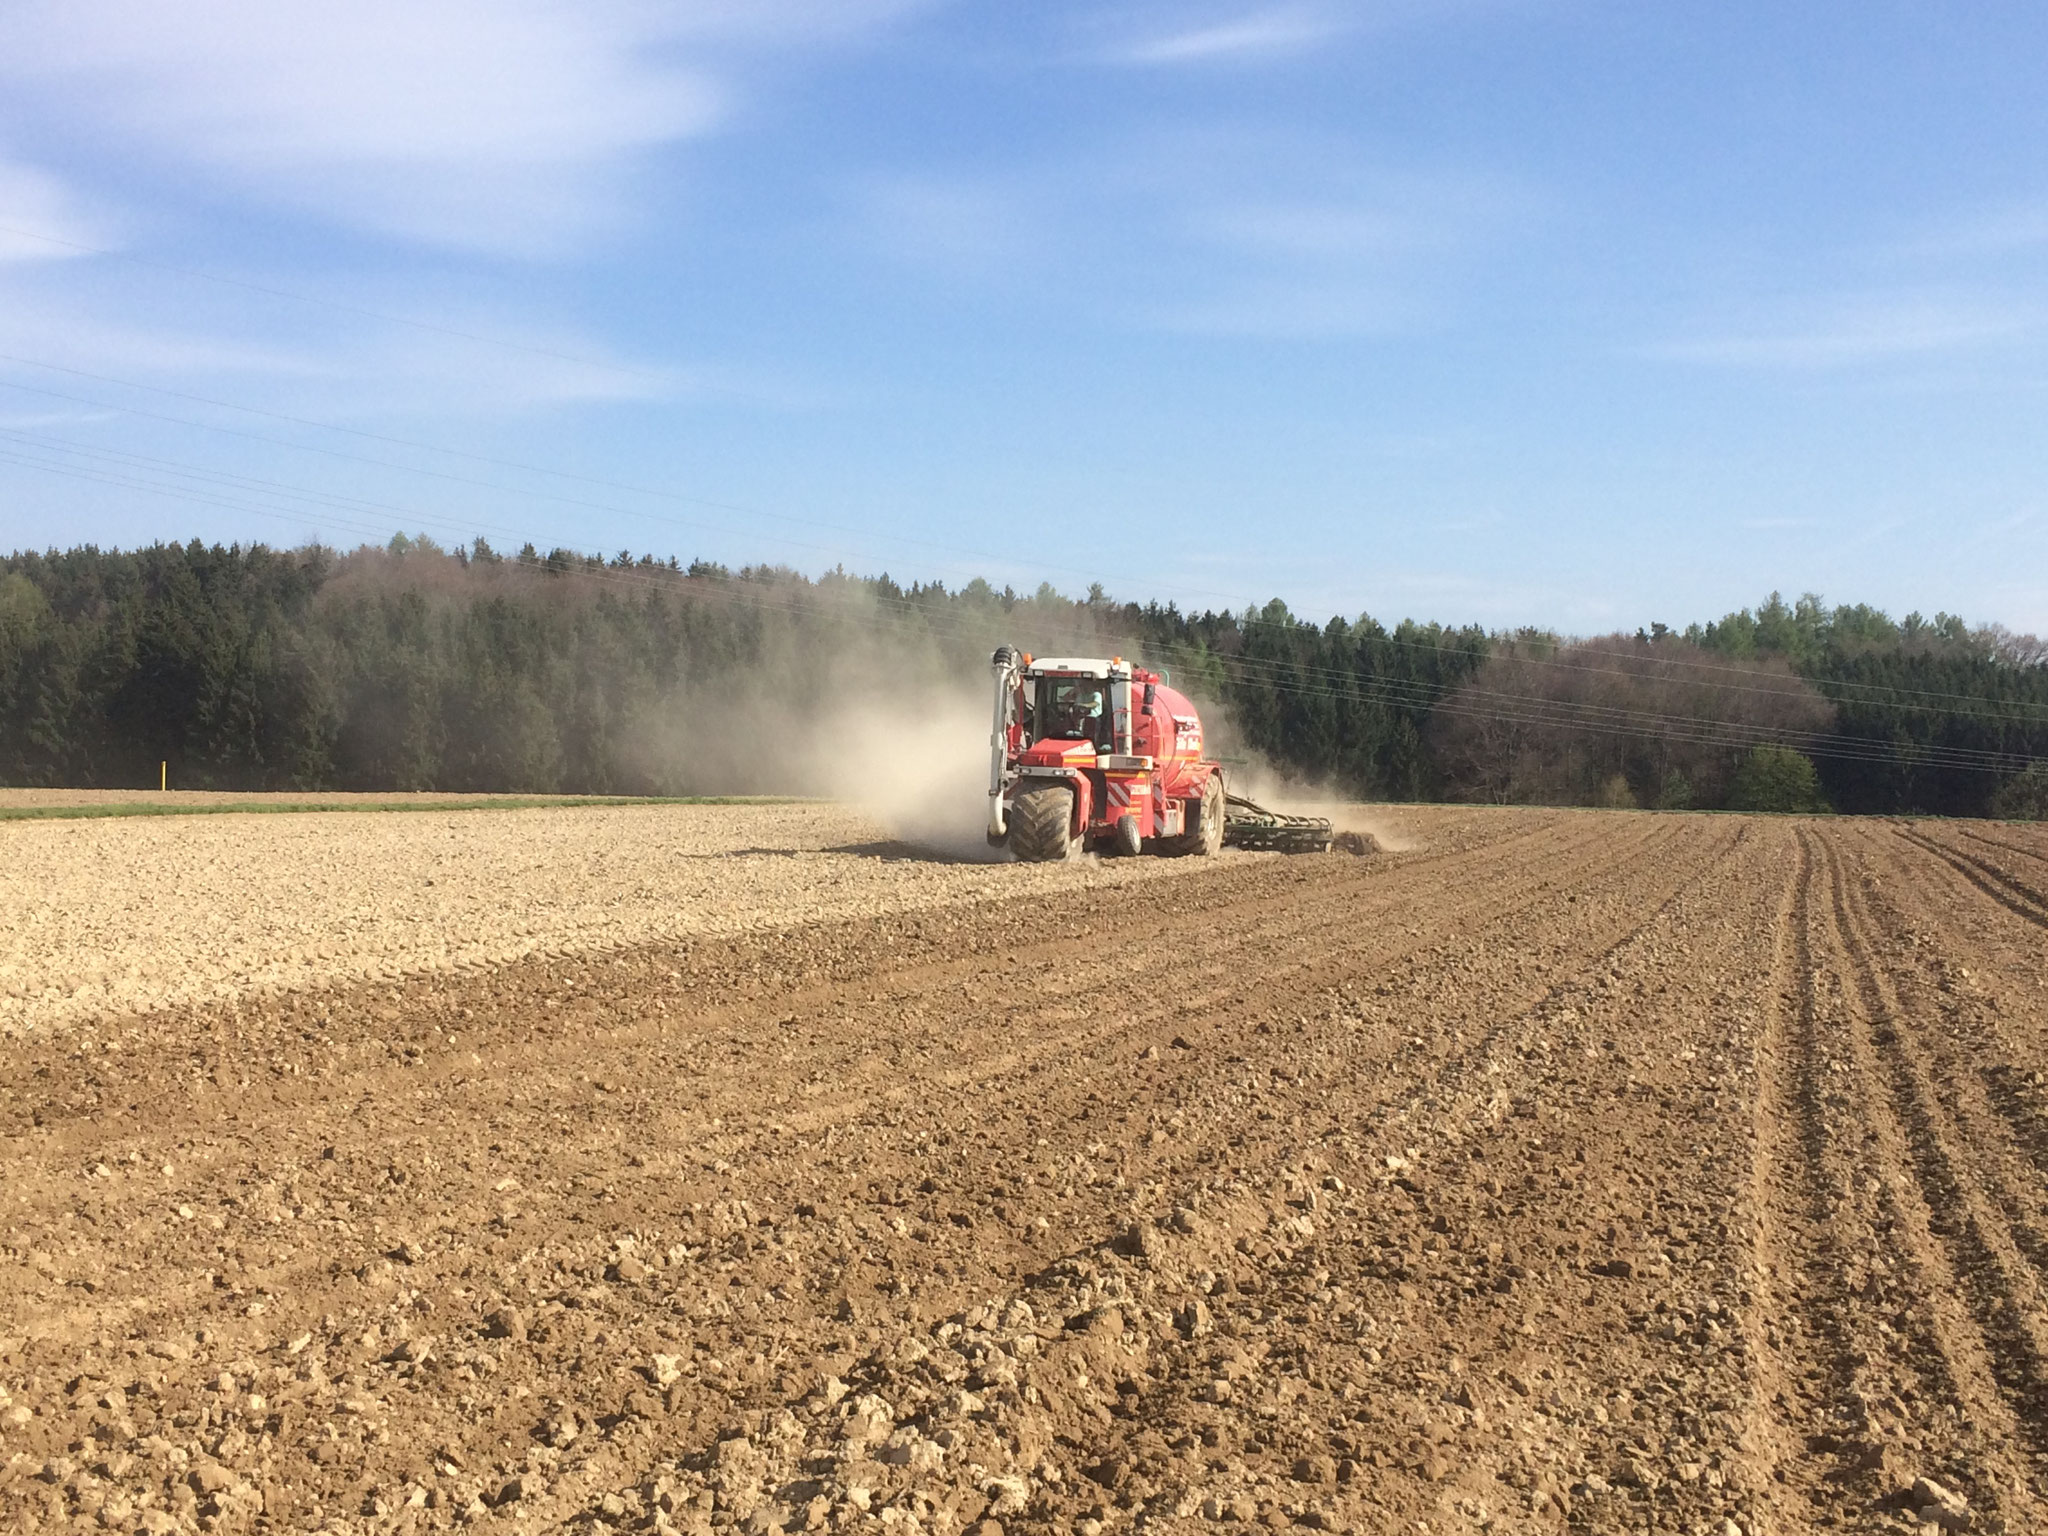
1875	1354
1952	1234
1463	1089
416	1117
1967	1062
862	1076
852	1063
2014	841
1343	944
1635	873
853	1066
250	1028
1805	1373
2019	897
1996	1005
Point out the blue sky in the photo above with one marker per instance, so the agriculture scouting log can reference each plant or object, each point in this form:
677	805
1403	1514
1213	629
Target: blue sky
1573	313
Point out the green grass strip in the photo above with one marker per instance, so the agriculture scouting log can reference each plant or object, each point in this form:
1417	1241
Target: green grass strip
281	807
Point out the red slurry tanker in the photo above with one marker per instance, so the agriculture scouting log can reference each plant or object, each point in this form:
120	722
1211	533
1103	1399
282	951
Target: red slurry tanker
1099	754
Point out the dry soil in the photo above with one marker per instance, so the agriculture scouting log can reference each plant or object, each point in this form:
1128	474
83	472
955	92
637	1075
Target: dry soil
132	914
1579	1171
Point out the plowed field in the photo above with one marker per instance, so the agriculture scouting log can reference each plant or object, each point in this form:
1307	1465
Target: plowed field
1568	1171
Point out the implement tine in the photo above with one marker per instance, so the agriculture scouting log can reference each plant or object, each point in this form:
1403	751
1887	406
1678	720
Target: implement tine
1247	824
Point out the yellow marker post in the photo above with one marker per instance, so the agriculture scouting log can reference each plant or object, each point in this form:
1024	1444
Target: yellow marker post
163	776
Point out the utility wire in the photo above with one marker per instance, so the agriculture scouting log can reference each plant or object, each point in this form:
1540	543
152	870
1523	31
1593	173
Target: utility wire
1414	693
1526	710
339	307
1669	669
657	492
1878	690
661	376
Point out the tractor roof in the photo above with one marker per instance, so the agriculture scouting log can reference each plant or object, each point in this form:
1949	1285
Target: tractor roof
1078	666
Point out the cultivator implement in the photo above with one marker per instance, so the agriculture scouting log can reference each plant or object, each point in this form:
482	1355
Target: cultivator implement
1247	824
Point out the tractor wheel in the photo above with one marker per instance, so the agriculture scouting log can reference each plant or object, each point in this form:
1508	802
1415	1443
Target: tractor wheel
1207	837
1039	820
1128	838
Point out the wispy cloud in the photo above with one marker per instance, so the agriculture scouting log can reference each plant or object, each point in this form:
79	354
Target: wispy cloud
1194	34
1295	312
1861	332
1210	231
319	363
506	127
43	218
1259	35
1319	230
102	332
2010	229
966	226
1300	240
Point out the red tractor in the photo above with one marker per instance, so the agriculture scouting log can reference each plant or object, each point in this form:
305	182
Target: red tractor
1090	754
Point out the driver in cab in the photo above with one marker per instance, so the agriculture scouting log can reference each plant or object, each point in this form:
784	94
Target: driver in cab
1077	713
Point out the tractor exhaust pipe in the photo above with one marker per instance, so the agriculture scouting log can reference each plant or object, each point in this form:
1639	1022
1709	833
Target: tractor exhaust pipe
1004	664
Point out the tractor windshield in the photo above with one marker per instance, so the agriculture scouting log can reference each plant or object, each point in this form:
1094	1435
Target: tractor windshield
1071	709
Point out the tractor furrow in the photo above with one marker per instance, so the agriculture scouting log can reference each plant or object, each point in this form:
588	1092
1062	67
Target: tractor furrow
1952	1232
2002	839
2016	896
1372	1251
1805	1369
1581	1172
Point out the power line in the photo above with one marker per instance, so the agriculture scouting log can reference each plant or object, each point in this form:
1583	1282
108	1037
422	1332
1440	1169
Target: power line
339	307
1526	710
1273	675
1876	690
1883	691
519	466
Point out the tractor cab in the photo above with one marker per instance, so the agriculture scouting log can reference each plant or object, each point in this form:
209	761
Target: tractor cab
1067	700
1068	709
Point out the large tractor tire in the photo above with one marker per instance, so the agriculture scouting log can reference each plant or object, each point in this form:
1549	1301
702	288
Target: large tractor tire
1207	836
1040	821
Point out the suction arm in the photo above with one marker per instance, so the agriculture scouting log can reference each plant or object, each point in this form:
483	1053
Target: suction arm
1004	664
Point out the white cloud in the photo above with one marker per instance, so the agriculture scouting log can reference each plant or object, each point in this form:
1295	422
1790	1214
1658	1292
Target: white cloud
101	332
1296	311
1305	238
319	363
1169	34
491	124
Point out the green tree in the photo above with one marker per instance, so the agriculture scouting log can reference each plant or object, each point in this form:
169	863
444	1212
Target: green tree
1675	793
2024	796
1775	778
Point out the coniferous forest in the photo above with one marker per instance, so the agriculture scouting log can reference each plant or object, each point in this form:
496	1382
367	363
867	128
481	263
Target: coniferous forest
412	667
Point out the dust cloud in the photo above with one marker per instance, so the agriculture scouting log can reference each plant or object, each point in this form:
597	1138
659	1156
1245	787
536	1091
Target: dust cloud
1252	775
919	768
898	731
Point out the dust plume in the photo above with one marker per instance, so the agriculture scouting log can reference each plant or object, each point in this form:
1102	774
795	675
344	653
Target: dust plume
919	769
895	726
1251	774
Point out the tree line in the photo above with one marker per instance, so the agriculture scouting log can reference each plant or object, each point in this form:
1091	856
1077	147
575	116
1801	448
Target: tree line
413	667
